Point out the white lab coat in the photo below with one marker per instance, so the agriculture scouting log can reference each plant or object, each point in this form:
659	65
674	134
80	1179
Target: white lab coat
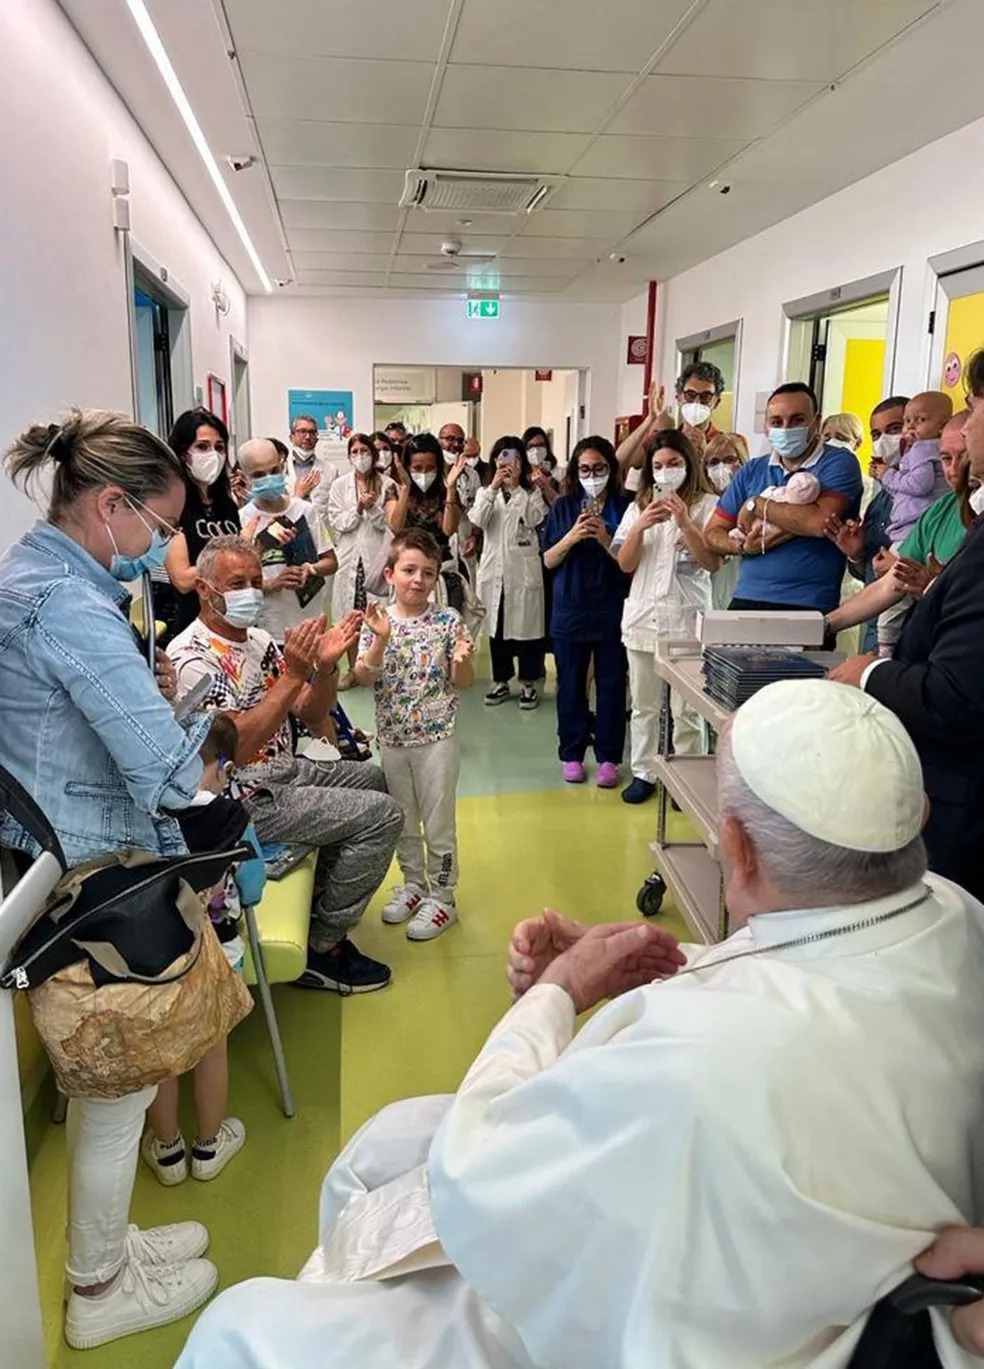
727	1169
319	496
510	569
358	535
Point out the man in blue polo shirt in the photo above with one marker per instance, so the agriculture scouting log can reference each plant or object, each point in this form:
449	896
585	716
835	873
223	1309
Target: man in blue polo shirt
797	566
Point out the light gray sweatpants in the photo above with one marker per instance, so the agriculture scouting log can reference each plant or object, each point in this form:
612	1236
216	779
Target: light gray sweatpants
424	781
343	808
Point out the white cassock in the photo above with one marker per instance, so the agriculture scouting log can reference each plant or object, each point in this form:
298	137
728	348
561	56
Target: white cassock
723	1171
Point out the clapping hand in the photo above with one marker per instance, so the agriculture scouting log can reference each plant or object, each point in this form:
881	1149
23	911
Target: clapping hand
610	960
456	471
301	646
337	640
847	535
883	561
535	943
658	412
377	620
464	648
914	578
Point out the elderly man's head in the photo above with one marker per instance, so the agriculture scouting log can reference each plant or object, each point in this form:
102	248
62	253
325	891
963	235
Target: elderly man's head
821	800
230	586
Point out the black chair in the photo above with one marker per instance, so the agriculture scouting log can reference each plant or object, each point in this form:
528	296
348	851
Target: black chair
898	1334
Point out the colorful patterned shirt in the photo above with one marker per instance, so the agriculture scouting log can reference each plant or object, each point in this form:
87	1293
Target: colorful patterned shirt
416	702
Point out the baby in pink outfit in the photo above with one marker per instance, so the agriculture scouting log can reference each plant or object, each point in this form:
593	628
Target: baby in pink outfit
801	488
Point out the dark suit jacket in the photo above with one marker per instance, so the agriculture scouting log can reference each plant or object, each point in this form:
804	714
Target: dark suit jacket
935	685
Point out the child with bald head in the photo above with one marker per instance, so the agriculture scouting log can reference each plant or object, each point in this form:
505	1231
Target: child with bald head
916	483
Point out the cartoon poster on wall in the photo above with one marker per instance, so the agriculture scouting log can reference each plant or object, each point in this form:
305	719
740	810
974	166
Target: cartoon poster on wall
332	410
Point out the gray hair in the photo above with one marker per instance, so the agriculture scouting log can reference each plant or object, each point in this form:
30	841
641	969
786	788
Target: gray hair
213	552
255	447
812	873
303	418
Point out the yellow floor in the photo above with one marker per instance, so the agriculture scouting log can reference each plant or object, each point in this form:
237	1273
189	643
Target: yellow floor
580	850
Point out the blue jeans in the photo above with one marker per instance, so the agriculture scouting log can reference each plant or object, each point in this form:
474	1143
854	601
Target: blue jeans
573	722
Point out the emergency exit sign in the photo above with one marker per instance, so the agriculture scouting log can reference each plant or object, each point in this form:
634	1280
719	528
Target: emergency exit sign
483	308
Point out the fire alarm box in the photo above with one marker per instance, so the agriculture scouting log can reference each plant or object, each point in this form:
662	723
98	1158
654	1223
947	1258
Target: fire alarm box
625	425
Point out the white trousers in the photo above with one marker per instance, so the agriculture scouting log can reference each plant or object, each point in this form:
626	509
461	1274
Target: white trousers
891	620
424	781
647	693
103	1148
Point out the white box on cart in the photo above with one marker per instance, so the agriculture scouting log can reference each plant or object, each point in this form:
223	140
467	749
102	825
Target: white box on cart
747	627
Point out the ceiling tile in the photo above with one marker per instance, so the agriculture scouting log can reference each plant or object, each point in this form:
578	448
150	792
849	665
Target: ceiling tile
660	159
796	40
617	36
639	197
502	266
341	261
455	225
428	244
341	278
338	89
337	240
371	28
576	223
300	142
547	101
326	214
474	149
578	249
698	106
337	183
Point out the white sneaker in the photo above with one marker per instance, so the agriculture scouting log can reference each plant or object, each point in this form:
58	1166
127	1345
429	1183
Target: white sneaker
159	1245
229	1141
169	1164
406	899
431	919
142	1296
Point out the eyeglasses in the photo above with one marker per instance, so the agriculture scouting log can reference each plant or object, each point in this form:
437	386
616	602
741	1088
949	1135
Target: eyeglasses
697	396
168	531
592	470
305	432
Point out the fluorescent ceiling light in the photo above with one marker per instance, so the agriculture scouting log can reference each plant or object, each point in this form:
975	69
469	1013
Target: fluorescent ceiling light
156	48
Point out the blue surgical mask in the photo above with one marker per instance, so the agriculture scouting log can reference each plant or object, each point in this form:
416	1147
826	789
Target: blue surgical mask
270	486
789	443
127	568
243	607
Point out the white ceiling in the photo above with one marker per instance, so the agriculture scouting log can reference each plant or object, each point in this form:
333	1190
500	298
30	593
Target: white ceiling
634	105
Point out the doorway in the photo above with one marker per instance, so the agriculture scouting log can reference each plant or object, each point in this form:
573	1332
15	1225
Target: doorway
958	330
160	343
239	412
721	347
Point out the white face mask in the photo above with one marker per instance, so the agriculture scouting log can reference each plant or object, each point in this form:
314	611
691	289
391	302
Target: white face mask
362	463
449	457
243	607
720	475
695	414
384	460
535	455
594	485
887	447
473	461
206	466
977	500
669	477
423	479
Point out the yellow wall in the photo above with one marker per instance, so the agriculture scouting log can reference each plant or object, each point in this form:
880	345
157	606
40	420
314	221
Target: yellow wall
964	335
864	367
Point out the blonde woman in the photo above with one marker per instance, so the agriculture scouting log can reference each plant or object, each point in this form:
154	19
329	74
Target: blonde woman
843	430
724	456
660	543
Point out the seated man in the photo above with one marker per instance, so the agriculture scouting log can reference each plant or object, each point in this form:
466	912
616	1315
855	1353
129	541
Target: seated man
341	807
731	1162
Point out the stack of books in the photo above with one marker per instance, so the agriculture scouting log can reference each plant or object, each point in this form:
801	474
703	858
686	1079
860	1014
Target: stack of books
733	674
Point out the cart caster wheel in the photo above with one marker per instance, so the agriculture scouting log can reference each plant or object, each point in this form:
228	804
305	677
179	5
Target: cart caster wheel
649	899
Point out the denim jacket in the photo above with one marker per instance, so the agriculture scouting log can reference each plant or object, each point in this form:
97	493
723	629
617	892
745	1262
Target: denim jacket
84	727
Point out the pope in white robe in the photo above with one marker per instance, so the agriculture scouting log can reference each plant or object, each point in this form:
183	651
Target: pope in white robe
729	1164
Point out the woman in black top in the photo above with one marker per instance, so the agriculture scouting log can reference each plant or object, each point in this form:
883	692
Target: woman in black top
201	440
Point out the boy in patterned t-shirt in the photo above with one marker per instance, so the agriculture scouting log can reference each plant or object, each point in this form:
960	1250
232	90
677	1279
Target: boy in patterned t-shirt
417	656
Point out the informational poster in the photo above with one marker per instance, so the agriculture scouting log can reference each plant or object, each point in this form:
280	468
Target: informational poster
332	410
405	385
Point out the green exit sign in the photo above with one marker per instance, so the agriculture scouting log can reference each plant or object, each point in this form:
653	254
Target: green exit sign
483	308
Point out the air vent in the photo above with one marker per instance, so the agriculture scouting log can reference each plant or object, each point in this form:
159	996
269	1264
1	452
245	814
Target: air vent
480	192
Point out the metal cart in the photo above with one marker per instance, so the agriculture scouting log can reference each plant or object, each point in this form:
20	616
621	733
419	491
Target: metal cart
688	870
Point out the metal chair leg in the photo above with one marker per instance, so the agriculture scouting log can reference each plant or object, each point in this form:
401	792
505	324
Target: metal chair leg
266	998
59	1111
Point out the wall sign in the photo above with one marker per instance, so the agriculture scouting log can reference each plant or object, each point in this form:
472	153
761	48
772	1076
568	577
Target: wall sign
483	308
636	351
405	385
331	409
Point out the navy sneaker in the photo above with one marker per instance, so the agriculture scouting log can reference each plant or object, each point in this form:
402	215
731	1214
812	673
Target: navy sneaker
638	791
344	970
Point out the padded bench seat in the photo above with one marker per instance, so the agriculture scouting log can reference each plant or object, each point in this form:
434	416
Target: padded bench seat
282	919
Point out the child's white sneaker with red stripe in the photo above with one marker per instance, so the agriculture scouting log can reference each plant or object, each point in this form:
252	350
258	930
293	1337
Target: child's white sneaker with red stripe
403	903
433	917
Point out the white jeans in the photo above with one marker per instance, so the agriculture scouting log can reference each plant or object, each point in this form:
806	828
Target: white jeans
647	693
103	1147
891	620
424	781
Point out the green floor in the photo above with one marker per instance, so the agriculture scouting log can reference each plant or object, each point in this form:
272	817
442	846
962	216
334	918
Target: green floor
526	842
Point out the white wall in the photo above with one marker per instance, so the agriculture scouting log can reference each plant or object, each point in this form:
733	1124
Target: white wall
61	265
928	203
333	343
630	378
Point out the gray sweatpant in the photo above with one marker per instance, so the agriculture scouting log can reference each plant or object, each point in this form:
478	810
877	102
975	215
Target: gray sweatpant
343	808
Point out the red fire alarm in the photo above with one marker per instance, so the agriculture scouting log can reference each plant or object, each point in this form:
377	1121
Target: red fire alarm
471	385
543	375
637	351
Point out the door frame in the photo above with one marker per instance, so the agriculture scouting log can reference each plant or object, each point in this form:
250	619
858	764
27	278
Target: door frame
143	270
800	316
693	342
943	267
238	353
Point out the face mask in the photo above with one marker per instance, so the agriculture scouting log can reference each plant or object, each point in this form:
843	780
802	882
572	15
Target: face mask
887	448
362	463
243	607
669	477
695	414
423	479
593	485
473	461
206	466
977	500
384	460
844	442
536	456
721	475
449	457
270	486
128	568
789	443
